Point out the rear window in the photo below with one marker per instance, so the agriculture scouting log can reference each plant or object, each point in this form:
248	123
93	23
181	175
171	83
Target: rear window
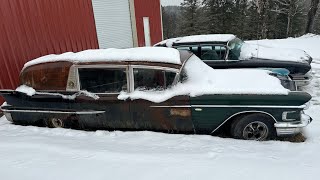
48	76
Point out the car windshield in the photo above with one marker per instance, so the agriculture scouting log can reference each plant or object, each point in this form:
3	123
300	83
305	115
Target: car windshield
235	49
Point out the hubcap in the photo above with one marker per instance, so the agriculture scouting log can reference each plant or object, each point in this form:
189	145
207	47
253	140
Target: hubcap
57	123
255	131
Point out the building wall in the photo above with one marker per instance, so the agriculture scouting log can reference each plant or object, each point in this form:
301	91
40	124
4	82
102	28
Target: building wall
113	23
151	9
33	28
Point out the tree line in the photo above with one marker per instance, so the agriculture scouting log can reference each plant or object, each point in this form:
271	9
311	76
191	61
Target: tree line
248	19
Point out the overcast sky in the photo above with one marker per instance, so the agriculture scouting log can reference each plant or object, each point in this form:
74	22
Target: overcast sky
171	2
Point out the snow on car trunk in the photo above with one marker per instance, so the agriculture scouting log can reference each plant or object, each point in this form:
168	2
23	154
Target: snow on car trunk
203	80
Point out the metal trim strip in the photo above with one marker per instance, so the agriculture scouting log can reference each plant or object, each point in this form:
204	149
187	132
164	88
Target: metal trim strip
54	112
232	106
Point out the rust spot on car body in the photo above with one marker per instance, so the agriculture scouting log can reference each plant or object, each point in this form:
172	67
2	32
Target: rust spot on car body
184	112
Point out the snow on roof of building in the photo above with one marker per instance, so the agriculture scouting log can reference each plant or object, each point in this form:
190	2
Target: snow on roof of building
148	54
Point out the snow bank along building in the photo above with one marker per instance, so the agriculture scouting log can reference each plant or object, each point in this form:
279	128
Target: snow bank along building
33	28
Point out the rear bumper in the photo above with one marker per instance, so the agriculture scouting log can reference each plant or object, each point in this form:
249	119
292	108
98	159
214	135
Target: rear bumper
292	128
302	80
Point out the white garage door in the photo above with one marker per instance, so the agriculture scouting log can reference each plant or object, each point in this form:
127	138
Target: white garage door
113	24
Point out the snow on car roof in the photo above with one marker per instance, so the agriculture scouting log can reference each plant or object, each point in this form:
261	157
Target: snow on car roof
207	38
148	54
198	38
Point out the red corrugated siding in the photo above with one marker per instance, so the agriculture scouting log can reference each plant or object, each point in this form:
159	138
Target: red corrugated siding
33	28
151	9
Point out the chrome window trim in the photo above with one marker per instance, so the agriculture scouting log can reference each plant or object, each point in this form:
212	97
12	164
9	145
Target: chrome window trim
155	67
207	44
101	66
131	67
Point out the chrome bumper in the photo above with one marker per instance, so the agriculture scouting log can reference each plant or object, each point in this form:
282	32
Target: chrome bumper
292	128
302	80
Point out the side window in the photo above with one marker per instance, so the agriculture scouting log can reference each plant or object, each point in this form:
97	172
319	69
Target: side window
193	49
213	52
147	79
98	80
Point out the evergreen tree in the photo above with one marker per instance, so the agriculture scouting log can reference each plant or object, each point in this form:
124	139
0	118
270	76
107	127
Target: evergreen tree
190	18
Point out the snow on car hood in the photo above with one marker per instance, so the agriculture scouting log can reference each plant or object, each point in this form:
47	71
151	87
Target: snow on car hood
203	80
250	50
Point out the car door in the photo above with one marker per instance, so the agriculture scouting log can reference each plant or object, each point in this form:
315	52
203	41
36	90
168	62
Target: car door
106	82
172	115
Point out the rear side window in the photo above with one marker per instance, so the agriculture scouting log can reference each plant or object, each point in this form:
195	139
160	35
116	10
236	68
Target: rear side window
109	80
193	49
147	79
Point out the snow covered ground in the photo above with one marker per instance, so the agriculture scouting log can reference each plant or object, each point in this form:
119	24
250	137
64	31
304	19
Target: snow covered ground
28	153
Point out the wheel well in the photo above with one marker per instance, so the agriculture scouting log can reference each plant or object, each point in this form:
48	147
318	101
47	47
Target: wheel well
227	123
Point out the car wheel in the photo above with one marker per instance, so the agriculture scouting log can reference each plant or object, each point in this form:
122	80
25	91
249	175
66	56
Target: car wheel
55	123
258	127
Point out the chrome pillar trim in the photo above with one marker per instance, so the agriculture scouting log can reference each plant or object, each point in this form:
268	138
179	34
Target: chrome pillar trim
291	128
72	83
53	112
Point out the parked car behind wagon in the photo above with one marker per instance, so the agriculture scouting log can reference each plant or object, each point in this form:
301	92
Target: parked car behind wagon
156	89
222	51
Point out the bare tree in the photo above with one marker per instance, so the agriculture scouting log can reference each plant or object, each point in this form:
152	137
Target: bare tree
290	8
311	15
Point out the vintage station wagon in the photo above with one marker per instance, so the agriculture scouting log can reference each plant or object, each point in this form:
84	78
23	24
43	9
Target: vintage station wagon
157	89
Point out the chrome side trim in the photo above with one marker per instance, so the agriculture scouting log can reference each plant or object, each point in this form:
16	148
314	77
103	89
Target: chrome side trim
177	106
232	106
243	112
250	106
54	112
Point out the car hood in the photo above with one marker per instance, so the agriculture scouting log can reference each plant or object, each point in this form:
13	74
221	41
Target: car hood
250	51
